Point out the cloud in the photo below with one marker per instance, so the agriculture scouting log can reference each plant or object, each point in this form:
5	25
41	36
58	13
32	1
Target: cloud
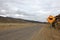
37	10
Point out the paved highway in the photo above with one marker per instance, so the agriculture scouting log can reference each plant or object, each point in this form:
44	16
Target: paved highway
19	34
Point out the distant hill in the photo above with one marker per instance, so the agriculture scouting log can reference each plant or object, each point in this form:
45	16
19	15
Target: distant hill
12	20
15	20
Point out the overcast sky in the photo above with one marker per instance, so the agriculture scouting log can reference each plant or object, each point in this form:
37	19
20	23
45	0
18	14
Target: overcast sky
37	10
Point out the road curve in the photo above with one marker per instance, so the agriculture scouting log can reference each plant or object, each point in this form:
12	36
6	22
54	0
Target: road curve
19	34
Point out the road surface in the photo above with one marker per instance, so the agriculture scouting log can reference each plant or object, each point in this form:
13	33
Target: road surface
19	34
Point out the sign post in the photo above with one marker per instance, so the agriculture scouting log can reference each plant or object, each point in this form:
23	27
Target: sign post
51	19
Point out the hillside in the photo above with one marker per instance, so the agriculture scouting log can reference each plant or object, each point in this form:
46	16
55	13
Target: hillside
14	20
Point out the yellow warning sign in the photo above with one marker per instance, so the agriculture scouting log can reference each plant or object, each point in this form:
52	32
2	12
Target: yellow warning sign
51	19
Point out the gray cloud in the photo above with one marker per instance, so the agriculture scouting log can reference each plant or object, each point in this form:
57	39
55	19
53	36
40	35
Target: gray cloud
37	10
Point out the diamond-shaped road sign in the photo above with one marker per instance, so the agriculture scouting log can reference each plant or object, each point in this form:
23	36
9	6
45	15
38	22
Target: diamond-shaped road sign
51	19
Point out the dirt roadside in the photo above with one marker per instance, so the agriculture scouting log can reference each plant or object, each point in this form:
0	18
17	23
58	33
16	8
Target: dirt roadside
47	33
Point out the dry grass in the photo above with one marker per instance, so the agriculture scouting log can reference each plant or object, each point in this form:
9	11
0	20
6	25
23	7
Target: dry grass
7	26
47	33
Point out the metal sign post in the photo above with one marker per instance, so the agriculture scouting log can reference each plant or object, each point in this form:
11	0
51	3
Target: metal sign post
51	32
51	19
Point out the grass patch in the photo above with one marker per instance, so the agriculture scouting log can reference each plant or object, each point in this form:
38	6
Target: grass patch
8	26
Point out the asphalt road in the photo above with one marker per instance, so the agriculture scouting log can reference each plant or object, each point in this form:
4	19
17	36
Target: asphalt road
19	34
